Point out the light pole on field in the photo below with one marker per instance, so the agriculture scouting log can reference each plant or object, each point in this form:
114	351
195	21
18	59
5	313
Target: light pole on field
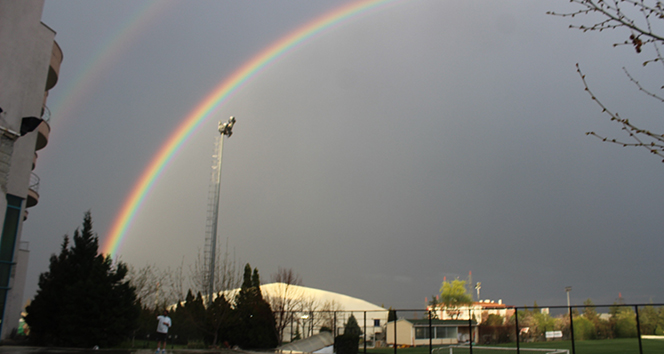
213	212
567	290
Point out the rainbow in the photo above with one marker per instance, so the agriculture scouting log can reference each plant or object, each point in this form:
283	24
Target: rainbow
107	53
214	99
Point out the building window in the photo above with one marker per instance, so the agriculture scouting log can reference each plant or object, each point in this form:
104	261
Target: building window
439	332
422	332
377	322
446	332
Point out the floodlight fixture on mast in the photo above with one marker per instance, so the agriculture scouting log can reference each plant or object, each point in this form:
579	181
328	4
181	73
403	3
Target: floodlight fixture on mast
213	207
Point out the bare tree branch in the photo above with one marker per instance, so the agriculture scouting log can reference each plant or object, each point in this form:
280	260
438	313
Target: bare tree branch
642	138
286	299
228	273
638	17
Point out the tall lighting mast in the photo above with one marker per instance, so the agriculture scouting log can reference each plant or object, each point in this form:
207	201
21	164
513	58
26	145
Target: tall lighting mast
213	207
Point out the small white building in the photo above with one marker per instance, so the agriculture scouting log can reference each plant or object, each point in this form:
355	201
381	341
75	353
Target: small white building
413	332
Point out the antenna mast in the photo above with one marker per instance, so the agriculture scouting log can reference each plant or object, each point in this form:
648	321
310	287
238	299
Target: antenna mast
210	252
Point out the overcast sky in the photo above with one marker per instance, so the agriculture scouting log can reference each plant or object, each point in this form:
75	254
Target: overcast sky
421	140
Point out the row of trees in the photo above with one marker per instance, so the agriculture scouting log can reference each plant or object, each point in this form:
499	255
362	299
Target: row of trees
192	317
244	319
621	322
86	300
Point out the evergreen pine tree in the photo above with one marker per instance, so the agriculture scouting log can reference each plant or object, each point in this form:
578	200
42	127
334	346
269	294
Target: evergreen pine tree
217	317
391	315
193	314
255	323
180	319
83	300
352	327
348	343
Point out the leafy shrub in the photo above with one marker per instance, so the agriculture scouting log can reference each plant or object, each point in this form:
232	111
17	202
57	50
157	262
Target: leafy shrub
583	328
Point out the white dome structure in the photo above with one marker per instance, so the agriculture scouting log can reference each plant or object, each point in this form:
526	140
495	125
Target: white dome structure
315	308
345	302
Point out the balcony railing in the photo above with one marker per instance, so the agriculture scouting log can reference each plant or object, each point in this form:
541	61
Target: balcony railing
54	68
34	183
44	130
46	114
33	192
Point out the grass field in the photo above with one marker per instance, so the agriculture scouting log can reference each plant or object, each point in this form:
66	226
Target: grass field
609	346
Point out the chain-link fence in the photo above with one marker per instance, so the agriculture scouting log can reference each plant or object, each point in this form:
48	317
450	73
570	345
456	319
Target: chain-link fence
625	328
297	325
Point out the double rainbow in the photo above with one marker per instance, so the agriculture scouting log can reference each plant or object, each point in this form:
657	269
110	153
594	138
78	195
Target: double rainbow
218	96
104	57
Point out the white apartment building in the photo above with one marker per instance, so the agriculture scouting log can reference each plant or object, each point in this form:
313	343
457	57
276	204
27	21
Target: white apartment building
29	67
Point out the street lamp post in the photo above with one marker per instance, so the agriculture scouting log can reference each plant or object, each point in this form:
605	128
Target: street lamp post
304	323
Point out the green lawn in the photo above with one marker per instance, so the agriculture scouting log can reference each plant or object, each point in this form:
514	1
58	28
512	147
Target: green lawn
609	346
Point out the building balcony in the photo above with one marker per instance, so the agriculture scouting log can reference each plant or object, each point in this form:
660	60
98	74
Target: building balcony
33	191
44	129
54	67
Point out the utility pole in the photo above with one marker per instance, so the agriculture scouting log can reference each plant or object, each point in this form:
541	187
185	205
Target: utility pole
213	207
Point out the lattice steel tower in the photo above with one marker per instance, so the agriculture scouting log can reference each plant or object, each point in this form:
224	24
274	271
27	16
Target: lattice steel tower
210	252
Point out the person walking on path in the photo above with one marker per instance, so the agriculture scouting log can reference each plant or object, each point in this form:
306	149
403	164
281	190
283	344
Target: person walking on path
162	331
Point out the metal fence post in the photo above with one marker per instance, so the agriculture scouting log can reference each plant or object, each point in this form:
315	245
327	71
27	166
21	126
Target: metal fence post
470	331
335	331
638	328
365	332
516	321
430	334
395	331
571	329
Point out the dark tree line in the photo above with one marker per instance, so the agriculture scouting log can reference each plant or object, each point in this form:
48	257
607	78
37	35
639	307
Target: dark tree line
85	300
245	320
